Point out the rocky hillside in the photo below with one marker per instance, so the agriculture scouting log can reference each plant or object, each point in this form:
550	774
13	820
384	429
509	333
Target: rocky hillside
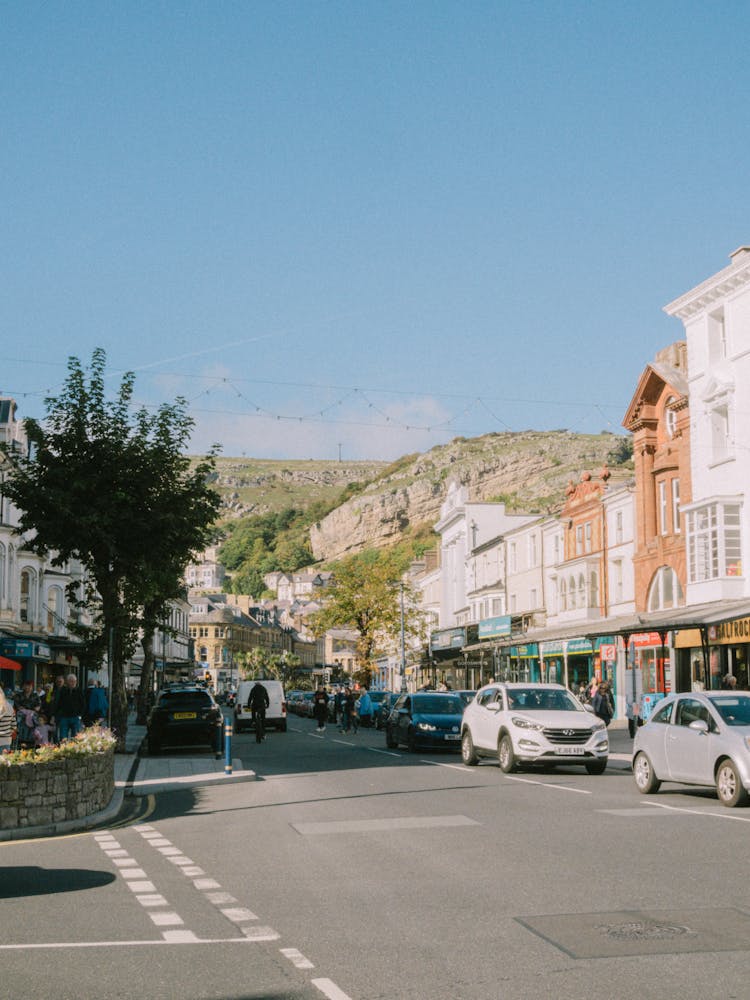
251	486
528	471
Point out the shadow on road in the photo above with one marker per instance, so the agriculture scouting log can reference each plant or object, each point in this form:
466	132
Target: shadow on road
35	881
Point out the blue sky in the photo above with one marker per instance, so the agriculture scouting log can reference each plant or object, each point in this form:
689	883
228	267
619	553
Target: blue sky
364	228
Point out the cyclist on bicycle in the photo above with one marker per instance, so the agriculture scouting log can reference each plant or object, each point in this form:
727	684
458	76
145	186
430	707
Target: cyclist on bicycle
258	701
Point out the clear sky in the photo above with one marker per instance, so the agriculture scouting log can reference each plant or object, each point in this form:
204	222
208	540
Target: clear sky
332	226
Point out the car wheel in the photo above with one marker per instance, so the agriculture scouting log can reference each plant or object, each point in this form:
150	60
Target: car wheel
729	785
389	740
468	753
646	781
505	754
596	767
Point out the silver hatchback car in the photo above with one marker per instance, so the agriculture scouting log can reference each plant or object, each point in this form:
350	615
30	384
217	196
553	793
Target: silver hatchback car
697	738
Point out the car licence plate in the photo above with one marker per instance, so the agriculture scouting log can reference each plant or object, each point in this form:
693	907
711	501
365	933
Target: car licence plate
453	736
570	751
185	715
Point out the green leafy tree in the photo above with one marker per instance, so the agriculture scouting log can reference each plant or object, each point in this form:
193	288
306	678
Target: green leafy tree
113	488
366	595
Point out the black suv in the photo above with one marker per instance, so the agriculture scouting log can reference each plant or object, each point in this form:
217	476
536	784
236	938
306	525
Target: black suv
185	716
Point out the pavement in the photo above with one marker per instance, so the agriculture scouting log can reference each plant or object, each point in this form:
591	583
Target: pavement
137	775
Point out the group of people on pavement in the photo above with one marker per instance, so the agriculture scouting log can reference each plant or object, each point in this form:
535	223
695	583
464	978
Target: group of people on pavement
57	711
352	708
598	694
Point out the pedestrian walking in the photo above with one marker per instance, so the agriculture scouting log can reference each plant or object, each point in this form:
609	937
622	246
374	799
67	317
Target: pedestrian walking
70	708
602	703
364	709
320	708
98	705
7	723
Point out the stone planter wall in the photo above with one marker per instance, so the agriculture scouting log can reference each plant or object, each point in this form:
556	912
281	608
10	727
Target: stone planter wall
52	792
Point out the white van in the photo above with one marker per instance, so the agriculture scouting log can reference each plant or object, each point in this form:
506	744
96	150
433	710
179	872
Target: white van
275	713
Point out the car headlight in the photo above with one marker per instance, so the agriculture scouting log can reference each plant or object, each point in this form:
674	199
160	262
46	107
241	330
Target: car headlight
426	727
527	724
597	726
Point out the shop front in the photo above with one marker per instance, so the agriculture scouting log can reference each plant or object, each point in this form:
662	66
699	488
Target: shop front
524	663
649	664
34	659
726	651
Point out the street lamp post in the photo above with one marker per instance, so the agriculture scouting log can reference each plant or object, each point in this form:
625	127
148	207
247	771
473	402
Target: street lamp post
403	643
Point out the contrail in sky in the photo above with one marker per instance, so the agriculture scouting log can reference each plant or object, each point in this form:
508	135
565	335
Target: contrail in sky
208	350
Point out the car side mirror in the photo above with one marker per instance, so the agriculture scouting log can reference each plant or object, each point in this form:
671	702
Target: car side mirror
699	725
493	706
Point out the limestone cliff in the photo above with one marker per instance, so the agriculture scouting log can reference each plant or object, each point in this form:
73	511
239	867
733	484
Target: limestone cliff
528	471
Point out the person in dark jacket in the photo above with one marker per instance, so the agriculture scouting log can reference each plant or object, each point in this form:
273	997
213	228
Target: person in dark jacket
320	708
258	701
602	703
70	708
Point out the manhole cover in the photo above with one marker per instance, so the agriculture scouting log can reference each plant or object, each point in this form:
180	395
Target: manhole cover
643	932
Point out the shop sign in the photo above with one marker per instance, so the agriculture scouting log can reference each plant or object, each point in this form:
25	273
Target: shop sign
551	648
448	638
495	628
529	651
729	632
608	651
641	639
577	646
25	649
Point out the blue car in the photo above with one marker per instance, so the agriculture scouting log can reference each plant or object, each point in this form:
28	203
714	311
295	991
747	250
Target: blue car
429	720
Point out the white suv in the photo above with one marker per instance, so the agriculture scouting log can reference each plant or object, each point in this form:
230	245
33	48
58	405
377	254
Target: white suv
532	724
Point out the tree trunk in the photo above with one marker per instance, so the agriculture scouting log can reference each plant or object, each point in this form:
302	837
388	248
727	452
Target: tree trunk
145	689
117	693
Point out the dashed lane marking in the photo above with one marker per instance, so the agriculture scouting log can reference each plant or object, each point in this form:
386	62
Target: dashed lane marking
453	767
176	937
388	753
297	958
544	784
238	914
329	989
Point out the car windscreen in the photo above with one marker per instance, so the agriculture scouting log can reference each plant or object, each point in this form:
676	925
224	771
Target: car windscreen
177	700
734	709
541	700
431	705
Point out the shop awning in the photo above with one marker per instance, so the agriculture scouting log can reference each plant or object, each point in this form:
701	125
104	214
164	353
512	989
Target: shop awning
8	664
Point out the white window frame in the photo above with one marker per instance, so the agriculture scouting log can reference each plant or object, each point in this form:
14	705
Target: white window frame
676	520
662	485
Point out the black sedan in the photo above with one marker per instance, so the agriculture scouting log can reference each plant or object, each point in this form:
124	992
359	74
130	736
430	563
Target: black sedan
185	717
429	720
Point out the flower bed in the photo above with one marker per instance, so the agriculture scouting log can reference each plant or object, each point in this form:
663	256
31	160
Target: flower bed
53	784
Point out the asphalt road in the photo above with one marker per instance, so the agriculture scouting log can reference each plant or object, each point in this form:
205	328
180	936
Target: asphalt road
353	871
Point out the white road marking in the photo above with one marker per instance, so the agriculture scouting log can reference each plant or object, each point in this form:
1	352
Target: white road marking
156	841
179	937
169	852
220	898
453	767
238	915
206	883
543	784
124	862
180	860
388	753
141	886
176	937
345	743
119	852
255	933
192	871
143	828
297	958
697	812
167	919
152	899
329	989
133	873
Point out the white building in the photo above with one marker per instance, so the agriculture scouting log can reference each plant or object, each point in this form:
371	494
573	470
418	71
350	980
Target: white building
716	317
206	573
